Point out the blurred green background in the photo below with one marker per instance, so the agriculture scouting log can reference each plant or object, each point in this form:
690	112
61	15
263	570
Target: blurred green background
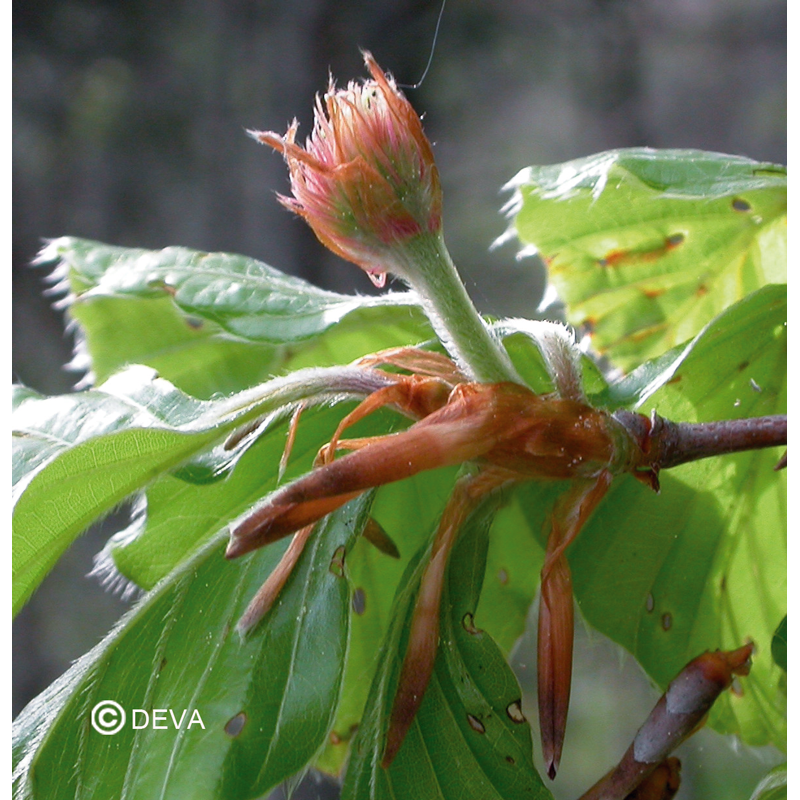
129	127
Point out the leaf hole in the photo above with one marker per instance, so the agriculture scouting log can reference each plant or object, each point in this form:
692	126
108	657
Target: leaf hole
337	562
502	576
740	204
514	711
476	724
650	603
468	623
666	621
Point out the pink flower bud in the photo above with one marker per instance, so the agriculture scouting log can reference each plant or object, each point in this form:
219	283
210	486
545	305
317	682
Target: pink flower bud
366	181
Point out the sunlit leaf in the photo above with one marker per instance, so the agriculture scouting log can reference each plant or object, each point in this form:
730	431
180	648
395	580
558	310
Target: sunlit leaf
703	565
80	455
646	246
213	322
408	511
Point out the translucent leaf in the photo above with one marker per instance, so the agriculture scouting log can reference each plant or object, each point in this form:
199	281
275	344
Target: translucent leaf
266	704
646	246
154	545
703	565
408	511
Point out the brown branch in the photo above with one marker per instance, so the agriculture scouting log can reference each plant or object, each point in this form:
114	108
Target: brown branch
663	444
676	716
674	443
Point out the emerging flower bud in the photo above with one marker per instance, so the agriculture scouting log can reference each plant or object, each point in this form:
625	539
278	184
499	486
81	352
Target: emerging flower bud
366	180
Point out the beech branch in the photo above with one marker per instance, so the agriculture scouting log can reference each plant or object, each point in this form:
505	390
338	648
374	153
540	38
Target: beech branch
681	442
665	444
676	716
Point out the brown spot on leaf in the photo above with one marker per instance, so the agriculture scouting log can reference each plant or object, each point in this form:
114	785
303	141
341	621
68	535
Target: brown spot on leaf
235	725
622	258
164	286
359	601
510	759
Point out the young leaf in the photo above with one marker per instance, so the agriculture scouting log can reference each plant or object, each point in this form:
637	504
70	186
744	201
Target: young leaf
780	645
208	322
266	704
703	565
82	454
408	511
645	246
154	545
469	738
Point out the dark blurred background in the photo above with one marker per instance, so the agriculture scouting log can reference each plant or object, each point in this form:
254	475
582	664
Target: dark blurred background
129	120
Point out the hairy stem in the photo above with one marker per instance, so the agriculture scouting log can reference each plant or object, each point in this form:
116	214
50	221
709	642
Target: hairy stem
431	272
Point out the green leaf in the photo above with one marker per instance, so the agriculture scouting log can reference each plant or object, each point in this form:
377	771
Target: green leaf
702	565
266	703
214	322
780	645
469	738
194	354
408	511
152	546
773	786
82	454
79	455
646	246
